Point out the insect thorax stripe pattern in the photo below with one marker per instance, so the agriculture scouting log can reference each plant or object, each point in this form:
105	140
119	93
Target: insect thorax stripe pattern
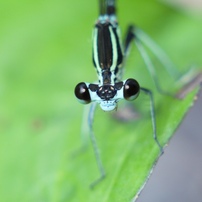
107	51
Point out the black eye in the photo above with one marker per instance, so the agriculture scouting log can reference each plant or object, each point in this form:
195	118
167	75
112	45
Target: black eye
82	93
131	89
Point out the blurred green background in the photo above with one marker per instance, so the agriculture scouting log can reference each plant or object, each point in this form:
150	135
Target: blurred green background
45	50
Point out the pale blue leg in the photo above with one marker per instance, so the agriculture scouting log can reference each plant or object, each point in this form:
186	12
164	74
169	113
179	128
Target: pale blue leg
158	52
150	67
95	147
153	117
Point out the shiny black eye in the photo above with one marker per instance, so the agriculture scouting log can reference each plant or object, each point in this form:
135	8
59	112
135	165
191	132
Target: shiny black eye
131	89
82	93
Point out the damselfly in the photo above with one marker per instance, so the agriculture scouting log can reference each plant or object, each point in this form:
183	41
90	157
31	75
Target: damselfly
108	57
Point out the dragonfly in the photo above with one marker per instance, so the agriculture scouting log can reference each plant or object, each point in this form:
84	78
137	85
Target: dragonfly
109	55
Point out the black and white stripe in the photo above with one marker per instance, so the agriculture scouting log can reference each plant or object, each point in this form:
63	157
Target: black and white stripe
107	51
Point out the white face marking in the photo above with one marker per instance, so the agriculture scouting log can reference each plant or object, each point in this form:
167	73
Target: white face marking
107	105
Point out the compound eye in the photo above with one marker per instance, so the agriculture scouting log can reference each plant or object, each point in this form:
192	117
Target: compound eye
82	93
131	89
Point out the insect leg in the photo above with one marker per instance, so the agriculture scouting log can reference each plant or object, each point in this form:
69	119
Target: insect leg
131	36
158	52
95	147
83	133
182	77
153	117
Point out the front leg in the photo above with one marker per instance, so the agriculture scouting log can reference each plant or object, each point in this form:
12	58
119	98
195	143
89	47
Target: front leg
95	147
133	35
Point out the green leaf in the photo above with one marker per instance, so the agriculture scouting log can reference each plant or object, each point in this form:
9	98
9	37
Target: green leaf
45	51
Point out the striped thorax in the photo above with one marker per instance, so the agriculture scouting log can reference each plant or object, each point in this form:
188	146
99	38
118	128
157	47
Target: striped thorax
107	51
107	59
